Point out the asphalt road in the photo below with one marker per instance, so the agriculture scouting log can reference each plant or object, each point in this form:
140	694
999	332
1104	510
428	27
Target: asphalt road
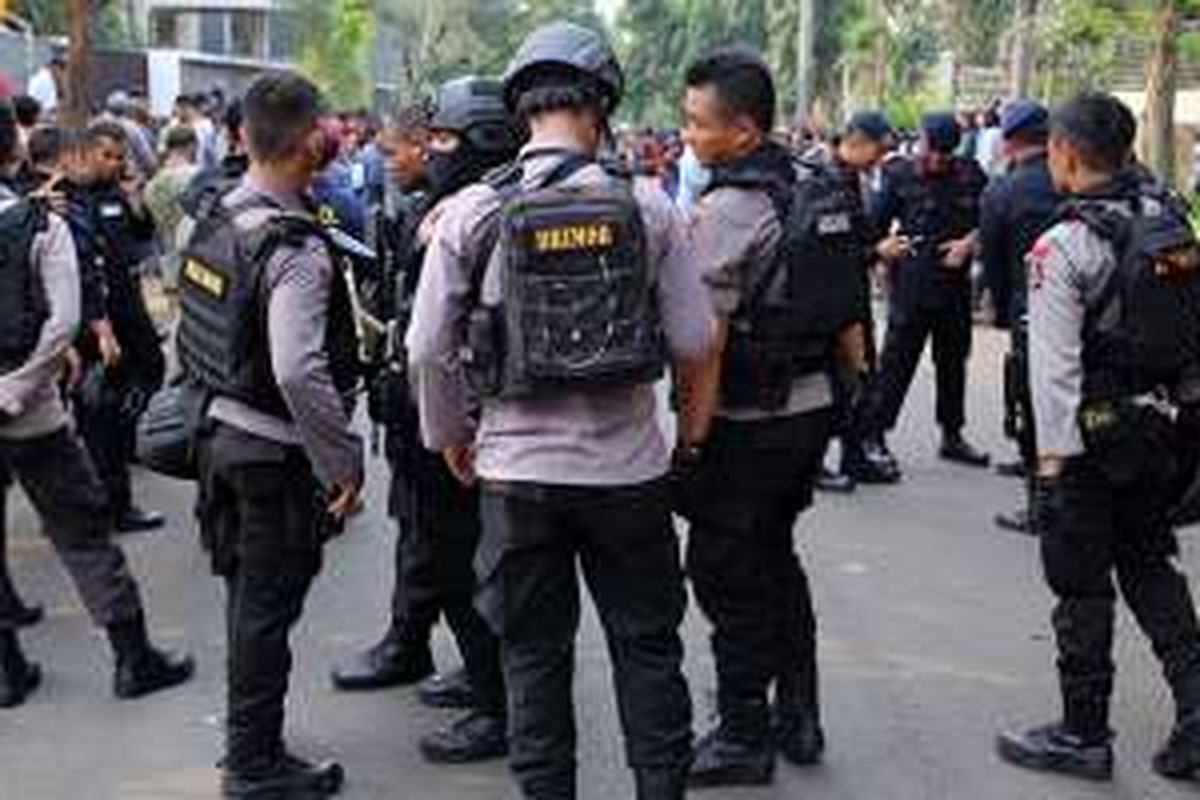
934	633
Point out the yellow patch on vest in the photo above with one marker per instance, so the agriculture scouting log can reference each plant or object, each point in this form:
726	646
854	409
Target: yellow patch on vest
205	278
573	237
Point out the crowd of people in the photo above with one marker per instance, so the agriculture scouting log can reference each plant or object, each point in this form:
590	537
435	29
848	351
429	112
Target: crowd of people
509	282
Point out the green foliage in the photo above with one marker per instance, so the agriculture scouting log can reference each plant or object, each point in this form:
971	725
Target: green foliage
336	41
109	25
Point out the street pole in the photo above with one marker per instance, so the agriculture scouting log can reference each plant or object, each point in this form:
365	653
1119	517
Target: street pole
1021	75
806	40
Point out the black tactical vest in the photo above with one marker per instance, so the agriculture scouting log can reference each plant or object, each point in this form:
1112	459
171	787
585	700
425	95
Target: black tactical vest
24	306
790	317
579	308
222	337
1143	332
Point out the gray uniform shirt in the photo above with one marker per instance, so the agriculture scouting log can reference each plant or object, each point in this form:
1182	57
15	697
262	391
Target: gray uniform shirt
602	437
30	394
735	233
298	281
1068	267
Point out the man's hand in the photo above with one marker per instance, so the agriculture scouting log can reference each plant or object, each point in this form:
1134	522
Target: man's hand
347	500
461	461
72	367
110	348
958	253
895	247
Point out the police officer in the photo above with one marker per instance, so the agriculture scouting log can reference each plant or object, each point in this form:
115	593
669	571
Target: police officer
934	201
280	465
403	655
470	133
1114	293
39	311
1015	210
119	382
856	156
566	444
774	239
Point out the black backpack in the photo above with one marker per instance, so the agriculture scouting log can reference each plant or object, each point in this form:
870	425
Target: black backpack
579	307
1142	334
24	306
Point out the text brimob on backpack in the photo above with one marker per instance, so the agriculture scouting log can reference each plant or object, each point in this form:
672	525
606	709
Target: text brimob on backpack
579	307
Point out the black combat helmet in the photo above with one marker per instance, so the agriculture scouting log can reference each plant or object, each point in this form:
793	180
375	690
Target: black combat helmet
567	50
474	108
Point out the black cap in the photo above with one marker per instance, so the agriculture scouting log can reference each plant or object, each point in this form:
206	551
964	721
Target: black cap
941	131
872	124
1024	116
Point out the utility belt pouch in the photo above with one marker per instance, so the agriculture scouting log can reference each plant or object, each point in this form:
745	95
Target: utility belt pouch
1130	442
483	357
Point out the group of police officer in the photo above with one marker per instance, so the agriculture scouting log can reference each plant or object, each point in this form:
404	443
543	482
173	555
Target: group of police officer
527	298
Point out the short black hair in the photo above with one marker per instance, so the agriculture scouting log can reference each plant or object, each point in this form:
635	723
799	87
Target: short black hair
104	129
742	81
9	136
28	110
558	87
178	138
412	118
1100	126
280	109
47	143
232	119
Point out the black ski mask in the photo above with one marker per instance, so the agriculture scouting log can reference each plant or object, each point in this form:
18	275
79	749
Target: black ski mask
447	172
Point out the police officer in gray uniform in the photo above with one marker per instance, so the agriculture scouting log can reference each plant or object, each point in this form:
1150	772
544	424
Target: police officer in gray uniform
780	251
39	314
558	289
470	132
1114	348
267	332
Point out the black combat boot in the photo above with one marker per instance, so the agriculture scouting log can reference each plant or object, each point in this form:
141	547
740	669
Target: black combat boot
478	736
286	778
1015	521
797	722
399	659
447	690
1055	748
958	450
1179	759
836	482
137	520
660	783
873	463
18	677
722	761
141	668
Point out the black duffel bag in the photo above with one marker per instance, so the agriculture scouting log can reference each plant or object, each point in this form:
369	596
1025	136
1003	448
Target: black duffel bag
167	431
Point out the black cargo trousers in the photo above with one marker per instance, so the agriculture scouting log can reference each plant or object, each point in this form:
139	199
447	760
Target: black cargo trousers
946	321
535	538
62	486
743	503
262	516
437	558
1093	530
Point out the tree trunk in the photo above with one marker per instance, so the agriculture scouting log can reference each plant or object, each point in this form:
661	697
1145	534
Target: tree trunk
75	105
1162	80
1023	55
806	42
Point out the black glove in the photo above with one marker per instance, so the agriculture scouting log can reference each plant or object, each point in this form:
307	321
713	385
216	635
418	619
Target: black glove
1043	505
